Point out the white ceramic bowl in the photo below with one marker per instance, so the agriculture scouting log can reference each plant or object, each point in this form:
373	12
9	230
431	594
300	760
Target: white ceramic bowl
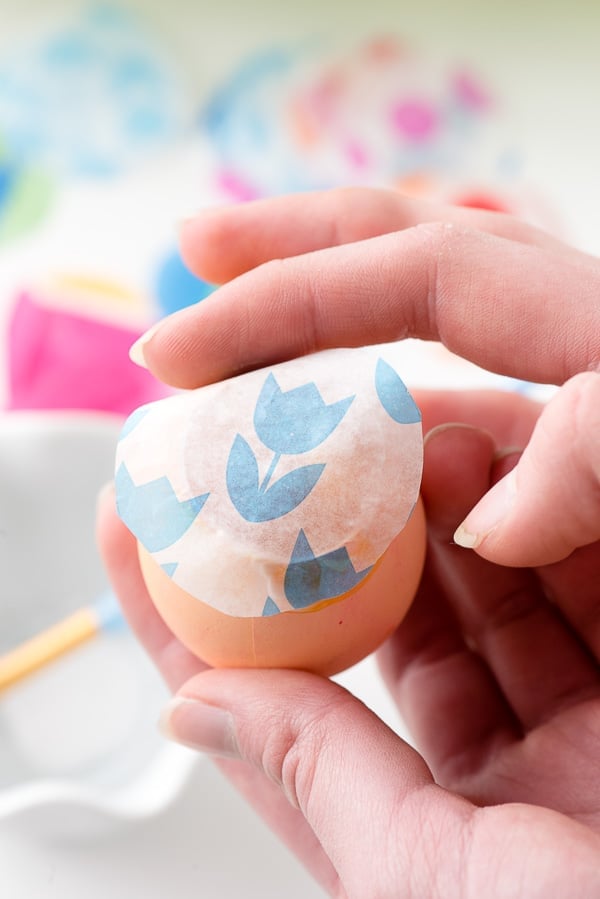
79	747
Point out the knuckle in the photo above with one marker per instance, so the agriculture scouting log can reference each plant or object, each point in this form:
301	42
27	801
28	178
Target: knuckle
299	755
440	238
511	609
290	302
436	825
444	244
581	402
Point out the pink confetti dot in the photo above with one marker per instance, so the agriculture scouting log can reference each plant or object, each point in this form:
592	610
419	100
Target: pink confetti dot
470	93
237	188
356	155
415	120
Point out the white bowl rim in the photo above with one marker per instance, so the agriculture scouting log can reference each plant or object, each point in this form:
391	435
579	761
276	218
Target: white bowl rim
61	419
171	765
167	773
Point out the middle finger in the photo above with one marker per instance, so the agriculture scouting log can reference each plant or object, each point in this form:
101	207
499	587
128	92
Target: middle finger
221	243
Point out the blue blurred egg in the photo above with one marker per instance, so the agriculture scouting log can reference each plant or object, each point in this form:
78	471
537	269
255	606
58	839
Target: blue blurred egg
176	287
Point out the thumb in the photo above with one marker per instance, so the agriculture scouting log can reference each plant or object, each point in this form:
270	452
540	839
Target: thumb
363	791
549	504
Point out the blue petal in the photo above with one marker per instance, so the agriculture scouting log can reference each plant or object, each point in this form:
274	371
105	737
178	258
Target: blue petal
289	491
270	608
134	420
310	579
170	568
394	397
152	511
242	476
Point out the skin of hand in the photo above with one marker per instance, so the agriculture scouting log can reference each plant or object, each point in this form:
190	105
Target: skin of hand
496	667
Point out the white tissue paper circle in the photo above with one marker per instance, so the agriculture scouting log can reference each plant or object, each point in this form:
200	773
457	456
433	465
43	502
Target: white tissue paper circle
279	488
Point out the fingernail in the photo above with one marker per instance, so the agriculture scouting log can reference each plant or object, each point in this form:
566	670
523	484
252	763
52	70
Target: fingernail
488	513
204	727
191	215
465	538
136	350
507	451
186	217
452	426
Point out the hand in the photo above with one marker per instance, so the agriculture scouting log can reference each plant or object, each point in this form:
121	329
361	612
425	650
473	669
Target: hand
495	669
499	689
362	266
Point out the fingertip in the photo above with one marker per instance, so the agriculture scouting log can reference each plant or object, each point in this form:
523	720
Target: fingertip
546	506
195	245
456	472
490	511
201	726
106	497
463	537
214	243
138	349
172	349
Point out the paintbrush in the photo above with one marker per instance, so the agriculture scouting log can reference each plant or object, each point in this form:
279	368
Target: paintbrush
102	615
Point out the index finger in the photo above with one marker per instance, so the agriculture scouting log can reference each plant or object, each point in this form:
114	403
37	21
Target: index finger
509	307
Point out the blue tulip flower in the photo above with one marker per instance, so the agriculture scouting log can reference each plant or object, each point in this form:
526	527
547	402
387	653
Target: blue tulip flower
310	579
290	422
295	421
257	501
152	511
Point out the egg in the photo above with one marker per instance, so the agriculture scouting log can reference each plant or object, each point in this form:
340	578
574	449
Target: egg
277	513
325	639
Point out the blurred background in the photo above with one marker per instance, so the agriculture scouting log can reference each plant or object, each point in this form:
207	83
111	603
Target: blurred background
117	120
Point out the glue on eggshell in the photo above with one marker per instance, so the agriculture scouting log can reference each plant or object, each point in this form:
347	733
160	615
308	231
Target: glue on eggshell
277	513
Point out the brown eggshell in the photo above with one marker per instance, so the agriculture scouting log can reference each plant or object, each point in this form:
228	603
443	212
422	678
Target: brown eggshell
324	639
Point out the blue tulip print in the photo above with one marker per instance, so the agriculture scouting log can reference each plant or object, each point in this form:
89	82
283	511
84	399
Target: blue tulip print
297	420
152	511
394	397
310	579
288	423
255	501
270	608
134	419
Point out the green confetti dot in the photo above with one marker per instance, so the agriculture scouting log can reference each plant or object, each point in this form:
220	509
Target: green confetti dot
27	204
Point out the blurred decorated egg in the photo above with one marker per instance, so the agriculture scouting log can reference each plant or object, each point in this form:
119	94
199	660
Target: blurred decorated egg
277	513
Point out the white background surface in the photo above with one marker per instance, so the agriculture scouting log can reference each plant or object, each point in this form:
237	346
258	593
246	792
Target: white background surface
543	57
208	845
